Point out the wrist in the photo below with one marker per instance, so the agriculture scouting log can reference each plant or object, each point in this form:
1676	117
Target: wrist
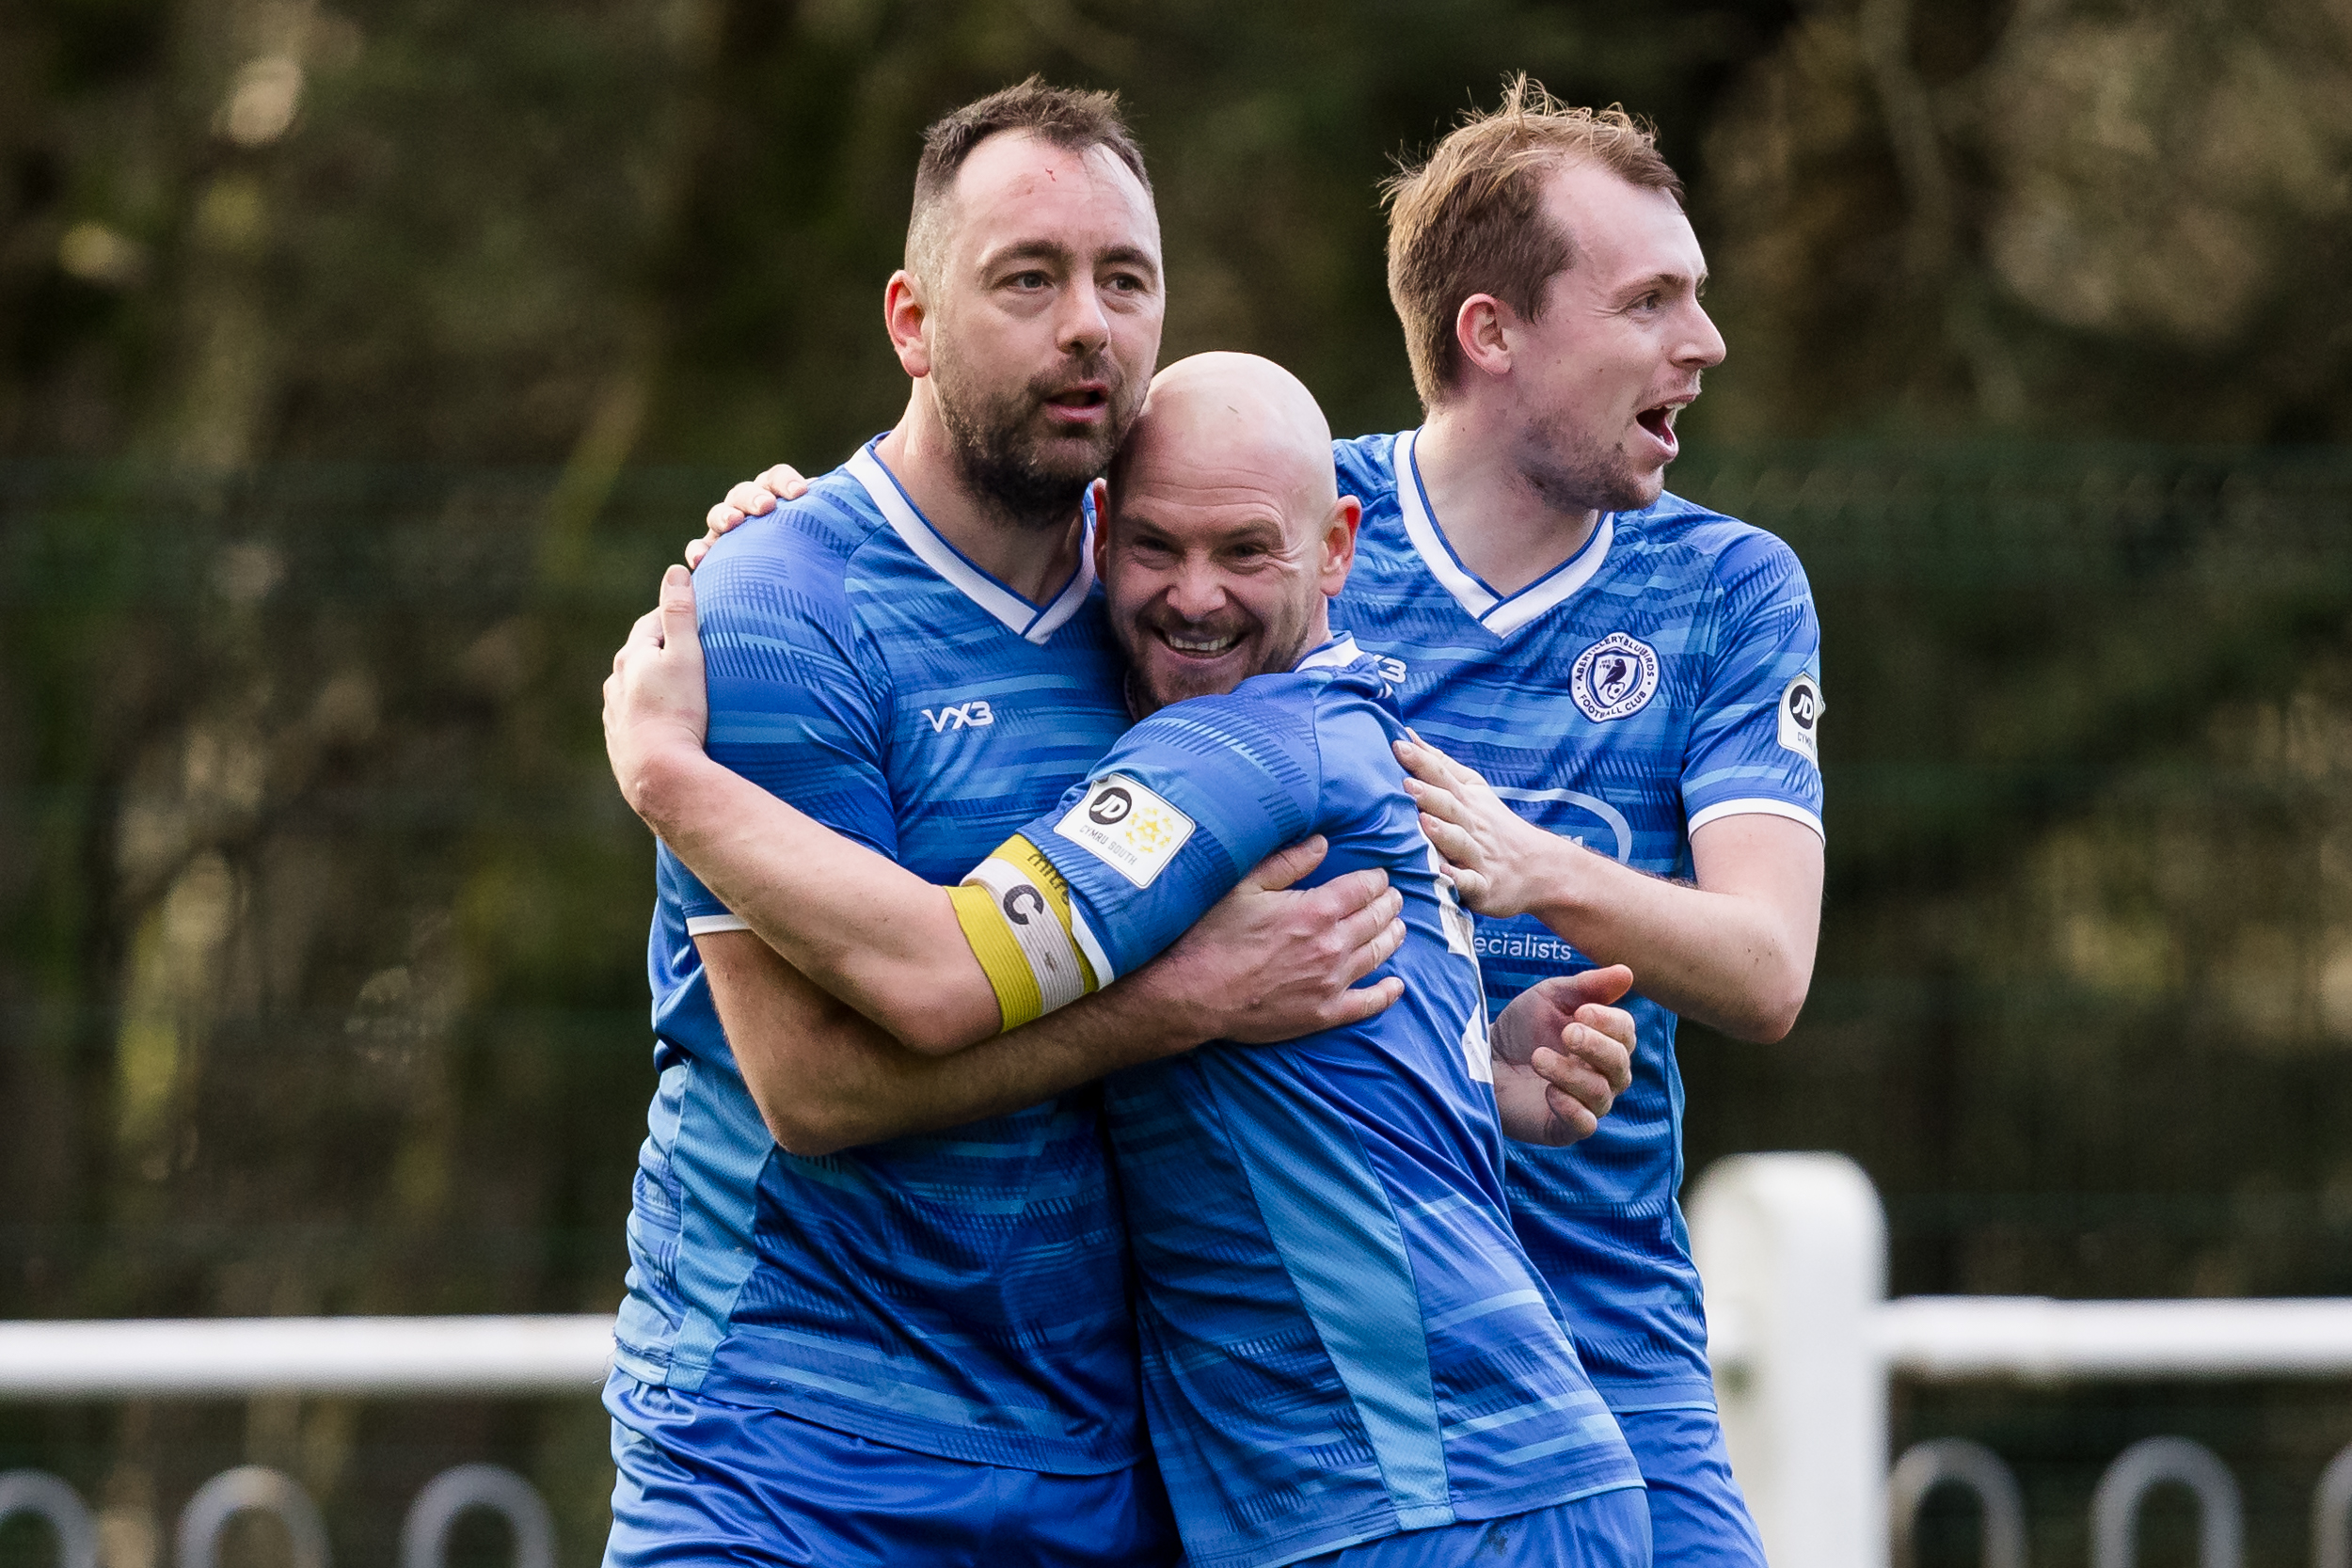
663	783
1560	881
1163	1015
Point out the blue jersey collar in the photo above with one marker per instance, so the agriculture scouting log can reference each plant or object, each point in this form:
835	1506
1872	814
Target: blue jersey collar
1023	618
1500	613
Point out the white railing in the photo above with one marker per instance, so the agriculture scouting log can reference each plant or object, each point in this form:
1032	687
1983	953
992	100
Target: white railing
1793	1251
157	1356
347	1357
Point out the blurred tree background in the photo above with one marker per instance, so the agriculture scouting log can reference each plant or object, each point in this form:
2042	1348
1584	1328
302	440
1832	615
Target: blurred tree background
360	363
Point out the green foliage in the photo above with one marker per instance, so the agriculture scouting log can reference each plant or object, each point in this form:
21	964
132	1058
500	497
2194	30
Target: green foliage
321	927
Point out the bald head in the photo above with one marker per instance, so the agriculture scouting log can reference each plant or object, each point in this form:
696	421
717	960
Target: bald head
1236	417
1227	533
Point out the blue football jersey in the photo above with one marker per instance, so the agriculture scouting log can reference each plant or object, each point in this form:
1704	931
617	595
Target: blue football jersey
1665	676
1341	1339
960	1294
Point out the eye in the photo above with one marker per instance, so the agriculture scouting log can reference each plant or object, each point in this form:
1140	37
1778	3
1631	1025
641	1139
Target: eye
1126	283
1031	279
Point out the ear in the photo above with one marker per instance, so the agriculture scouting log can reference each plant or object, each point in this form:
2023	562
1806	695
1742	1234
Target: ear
1482	328
1339	545
1101	491
907	316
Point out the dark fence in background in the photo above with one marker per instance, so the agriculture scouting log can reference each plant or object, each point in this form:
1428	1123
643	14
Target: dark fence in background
2084	1003
321	928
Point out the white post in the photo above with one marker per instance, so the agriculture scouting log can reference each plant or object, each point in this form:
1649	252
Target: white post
1793	1248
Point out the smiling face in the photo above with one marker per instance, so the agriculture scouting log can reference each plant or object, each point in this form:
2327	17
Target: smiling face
1226	536
1599	379
1040	319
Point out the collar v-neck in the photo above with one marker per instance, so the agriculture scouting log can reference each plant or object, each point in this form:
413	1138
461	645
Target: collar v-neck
1024	620
1338	653
1500	613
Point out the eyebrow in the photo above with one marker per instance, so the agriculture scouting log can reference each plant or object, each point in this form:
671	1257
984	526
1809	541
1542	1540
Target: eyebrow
1137	522
1043	249
1134	256
1670	282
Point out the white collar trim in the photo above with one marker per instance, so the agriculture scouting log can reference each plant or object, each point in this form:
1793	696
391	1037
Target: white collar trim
1340	651
1023	618
1501	614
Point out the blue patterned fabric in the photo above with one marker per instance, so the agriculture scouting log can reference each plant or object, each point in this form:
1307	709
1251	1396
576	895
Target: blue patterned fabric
1610	1530
1665	676
1340	1338
961	1296
697	1481
1698	1516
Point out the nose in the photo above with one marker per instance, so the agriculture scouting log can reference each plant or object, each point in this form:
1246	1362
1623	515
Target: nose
1702	346
1082	328
1196	593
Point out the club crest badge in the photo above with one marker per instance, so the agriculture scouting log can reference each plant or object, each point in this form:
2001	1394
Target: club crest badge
1614	678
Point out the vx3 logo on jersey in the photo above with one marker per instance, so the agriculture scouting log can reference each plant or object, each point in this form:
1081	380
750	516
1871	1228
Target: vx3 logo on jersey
974	715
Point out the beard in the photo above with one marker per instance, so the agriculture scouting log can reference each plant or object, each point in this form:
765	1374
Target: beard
1265	647
1574	473
1006	453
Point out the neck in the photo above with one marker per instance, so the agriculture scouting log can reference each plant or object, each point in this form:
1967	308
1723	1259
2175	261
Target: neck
1318	631
1033	562
1505	529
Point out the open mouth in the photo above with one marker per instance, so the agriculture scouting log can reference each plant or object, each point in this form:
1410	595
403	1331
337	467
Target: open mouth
1086	401
1198	646
1659	422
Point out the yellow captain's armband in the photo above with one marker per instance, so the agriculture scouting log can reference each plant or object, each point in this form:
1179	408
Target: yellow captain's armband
1014	908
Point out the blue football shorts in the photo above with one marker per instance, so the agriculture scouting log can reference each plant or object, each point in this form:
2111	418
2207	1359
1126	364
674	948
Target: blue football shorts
699	1481
1608	1530
1698	1517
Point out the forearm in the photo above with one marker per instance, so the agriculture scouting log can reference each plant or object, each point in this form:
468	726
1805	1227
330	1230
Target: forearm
826	1079
864	928
1728	959
1110	1030
1735	951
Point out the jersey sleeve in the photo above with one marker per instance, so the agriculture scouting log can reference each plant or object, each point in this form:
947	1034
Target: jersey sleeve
1755	744
1163	828
798	698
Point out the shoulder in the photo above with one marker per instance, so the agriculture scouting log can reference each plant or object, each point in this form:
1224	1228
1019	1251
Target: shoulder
1264	714
795	561
1738	561
1240	764
1234	746
836	519
1366	466
1323	712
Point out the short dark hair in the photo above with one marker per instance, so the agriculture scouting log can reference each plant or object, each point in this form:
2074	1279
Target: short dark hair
1072	118
1471	220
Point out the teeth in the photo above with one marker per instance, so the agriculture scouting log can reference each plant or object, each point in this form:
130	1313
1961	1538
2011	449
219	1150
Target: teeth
1192	645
